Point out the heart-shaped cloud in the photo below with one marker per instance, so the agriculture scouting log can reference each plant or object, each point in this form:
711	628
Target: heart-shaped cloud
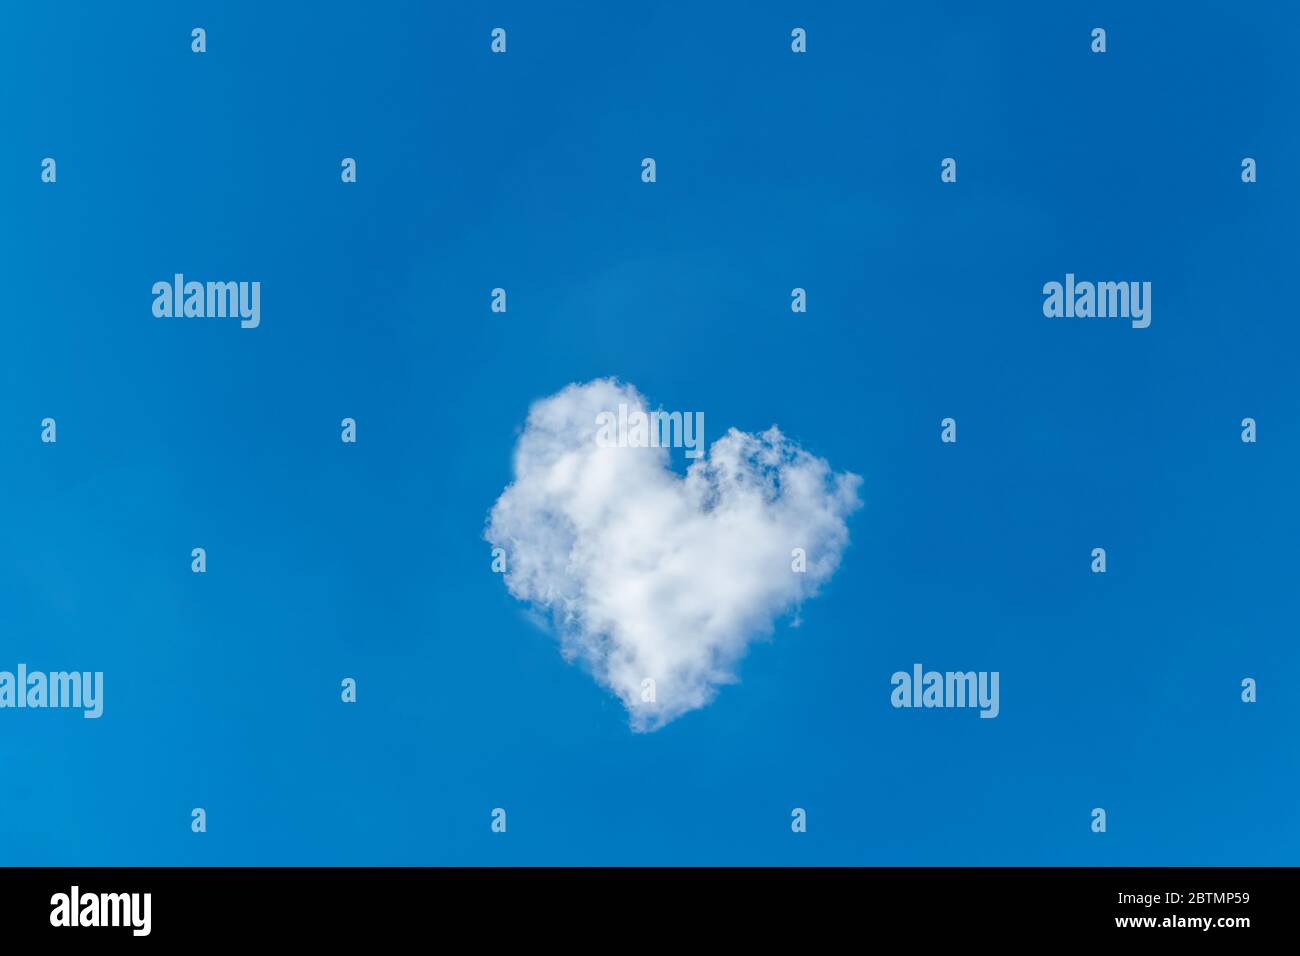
652	577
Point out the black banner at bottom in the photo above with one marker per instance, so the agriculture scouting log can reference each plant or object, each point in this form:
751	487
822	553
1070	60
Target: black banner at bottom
336	905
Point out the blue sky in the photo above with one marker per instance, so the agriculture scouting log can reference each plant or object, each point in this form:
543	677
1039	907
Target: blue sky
522	171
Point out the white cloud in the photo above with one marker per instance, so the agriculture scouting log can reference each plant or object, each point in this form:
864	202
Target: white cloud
646	574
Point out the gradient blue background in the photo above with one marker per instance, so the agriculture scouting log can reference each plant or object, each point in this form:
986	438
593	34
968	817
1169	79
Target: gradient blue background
822	171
